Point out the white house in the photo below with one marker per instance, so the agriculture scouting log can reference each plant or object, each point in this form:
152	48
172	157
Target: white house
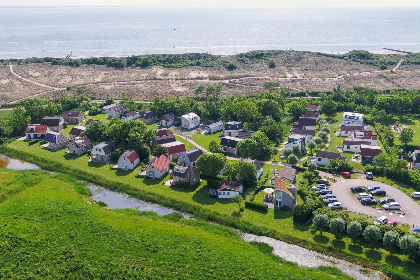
228	189
158	167
296	139
167	120
130	116
285	194
416	158
288	173
352	119
106	108
79	146
310	134
116	111
232	129
189	157
190	121
56	124
212	128
347	130
128	160
353	146
102	152
323	158
36	131
364	135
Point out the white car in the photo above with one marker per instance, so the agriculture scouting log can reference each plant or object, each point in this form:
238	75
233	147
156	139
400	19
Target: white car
381	220
364	195
392	206
335	205
416	195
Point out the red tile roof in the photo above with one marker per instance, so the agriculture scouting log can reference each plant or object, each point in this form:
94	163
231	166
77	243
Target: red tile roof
37	128
163	132
230	185
161	162
175	147
312	114
132	155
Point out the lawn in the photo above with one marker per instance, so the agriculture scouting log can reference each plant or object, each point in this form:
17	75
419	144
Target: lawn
5	114
53	230
204	140
188	145
280	221
404	121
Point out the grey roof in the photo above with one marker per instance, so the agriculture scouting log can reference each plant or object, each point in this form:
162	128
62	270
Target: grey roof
216	124
56	138
118	108
355	142
312	114
350	127
306	121
194	154
234	126
328	154
229	141
244	134
168	117
187	174
148	115
52	121
108	147
77	130
302	131
71	114
255	162
89	121
130	114
288	173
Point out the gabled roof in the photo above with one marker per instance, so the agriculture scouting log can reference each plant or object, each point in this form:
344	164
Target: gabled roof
355	142
288	173
163	132
312	114
168	117
193	154
183	171
216	124
191	116
370	151
283	185
350	128
108	147
77	130
89	121
230	185
107	107
132	155
161	162
36	128
302	131
82	142
52	121
71	114
55	137
117	108
165	139
255	162
244	134
131	114
229	141
234	126
174	147
328	154
306	121
148	115
313	107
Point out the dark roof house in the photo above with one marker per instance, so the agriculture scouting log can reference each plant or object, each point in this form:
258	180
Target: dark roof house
312	114
234	126
52	121
230	186
148	115
328	154
302	131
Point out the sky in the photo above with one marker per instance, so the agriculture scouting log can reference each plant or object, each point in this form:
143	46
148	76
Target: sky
217	3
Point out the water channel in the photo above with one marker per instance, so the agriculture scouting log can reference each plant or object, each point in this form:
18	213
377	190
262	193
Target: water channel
16	164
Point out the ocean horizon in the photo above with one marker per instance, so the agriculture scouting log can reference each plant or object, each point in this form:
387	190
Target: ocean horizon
124	31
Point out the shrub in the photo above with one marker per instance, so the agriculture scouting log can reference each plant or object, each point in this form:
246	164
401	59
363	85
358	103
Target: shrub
409	244
320	222
312	166
391	239
372	234
318	140
271	64
231	66
296	149
337	226
292	159
256	206
287	152
354	230
323	136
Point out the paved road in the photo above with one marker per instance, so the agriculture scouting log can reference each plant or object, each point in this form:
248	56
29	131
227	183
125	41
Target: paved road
341	189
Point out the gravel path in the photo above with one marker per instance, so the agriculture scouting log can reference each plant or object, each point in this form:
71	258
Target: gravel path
341	189
307	258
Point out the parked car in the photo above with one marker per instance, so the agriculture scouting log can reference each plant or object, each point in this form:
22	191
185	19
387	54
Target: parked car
338	205
416	230
323	191
368	201
372	188
378	192
369	175
381	220
319	187
364	195
346	174
386	200
328	195
416	195
322	181
358	189
392	223
330	199
392	206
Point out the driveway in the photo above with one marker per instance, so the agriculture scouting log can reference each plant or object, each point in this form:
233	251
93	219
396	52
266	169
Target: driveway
341	189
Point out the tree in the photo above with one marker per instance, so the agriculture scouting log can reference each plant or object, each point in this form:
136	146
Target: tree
231	66
95	131
248	148
296	149
145	62
409	244
271	85
271	63
406	135
354	230
329	107
297	107
312	146
318	140
292	159
159	150
215	148
323	136
287	152
210	165
242	171
200	89
325	129
312	166
372	234
320	222
391	239
19	120
337	226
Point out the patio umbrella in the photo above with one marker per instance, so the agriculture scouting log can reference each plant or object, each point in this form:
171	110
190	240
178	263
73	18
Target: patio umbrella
268	190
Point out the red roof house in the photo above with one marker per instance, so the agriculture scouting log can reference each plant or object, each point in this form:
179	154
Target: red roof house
174	149
228	189
158	167
36	131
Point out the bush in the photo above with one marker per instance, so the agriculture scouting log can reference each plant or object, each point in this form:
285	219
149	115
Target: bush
372	234
409	244
231	66
323	136
256	206
292	159
271	64
318	140
337	226
296	149
312	166
320	222
287	152
391	239
354	230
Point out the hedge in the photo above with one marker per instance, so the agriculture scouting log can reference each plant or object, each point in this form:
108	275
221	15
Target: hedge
256	206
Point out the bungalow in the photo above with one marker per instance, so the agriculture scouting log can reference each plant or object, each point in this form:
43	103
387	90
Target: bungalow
174	149
128	160
79	146
347	130
116	111
185	173
229	143
163	136
167	120
130	116
416	158
313	108
189	157
233	128
158	167
306	123
364	135
56	124
228	189
102	152
212	128
324	157
190	121
312	114
148	117
257	165
56	140
368	152
36	131
76	131
296	139
288	173
285	194
106	108
353	146
352	119
73	117
310	134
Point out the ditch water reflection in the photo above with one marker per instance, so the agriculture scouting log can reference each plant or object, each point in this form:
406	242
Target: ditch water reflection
16	164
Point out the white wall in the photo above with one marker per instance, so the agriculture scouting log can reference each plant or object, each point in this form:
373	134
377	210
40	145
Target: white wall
224	194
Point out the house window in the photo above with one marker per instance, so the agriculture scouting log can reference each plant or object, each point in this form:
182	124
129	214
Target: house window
151	174
319	159
227	193
348	147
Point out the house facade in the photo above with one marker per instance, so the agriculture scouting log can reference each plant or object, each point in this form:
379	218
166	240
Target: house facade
158	167
190	121
229	143
212	128
323	158
296	139
71	117
353	146
102	152
79	146
310	134
128	160
232	129
76	131
56	140
130	116
36	131
285	194
167	120
174	149
368	153
189	157
116	111
106	108
416	158
228	189
364	135
148	117
352	119
185	173
56	124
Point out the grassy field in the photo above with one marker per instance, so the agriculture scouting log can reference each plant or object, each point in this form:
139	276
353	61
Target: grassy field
188	145
404	121
50	230
5	114
204	140
279	221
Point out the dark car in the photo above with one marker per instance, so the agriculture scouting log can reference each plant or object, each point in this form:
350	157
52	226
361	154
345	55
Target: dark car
372	188
358	189
378	192
368	201
386	200
322	181
323	191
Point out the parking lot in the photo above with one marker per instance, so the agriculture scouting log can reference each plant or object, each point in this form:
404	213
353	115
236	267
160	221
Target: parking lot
341	189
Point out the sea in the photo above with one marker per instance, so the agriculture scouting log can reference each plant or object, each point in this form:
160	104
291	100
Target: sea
124	31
